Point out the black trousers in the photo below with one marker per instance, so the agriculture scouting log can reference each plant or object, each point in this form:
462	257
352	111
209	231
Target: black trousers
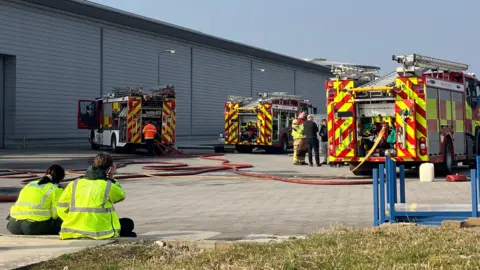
26	227
313	144
150	144
126	227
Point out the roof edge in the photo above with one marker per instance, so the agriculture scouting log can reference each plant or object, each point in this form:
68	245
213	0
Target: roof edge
117	16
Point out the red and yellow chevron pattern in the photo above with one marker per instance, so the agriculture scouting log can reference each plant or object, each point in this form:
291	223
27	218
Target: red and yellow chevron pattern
134	120
410	95
231	123
168	121
264	119
341	130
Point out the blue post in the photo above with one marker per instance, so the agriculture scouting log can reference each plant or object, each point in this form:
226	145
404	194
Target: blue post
394	180
387	175
473	175
375	198
402	183
392	184
478	172
382	192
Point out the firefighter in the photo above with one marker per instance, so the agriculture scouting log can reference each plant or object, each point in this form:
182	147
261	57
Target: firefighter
149	132
35	211
86	205
299	143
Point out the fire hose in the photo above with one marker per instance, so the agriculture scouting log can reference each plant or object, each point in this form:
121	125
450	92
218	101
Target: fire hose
173	169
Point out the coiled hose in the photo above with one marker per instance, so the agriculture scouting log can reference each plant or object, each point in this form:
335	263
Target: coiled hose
183	169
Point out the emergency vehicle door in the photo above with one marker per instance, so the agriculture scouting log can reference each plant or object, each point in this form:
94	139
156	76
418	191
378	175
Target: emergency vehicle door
405	123
88	114
134	120
168	121
231	123
344	130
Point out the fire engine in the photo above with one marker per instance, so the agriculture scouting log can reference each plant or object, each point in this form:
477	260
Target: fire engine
263	122
427	109
117	119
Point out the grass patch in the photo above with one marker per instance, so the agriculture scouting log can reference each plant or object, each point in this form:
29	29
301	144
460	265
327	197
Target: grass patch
404	247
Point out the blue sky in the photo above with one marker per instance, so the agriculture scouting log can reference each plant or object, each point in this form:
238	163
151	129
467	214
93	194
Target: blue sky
364	32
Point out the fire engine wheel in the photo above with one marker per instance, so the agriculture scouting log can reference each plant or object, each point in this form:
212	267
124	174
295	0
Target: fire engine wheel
364	170
284	147
113	144
95	146
244	149
92	144
447	165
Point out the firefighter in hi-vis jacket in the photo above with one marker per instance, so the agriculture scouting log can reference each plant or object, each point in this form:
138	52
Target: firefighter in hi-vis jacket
299	143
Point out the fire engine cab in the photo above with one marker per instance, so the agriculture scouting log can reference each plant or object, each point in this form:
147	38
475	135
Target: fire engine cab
427	110
117	119
263	122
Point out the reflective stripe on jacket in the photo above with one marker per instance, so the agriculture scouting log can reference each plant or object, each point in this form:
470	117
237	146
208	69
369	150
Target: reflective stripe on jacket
297	132
149	131
37	202
86	207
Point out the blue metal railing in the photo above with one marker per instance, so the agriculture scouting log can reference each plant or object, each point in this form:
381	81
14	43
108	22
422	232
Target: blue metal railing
386	193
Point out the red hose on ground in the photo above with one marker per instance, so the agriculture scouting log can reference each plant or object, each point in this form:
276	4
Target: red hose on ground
182	169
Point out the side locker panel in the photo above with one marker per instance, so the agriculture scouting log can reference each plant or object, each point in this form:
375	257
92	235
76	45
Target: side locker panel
458	116
265	124
344	129
134	120
168	121
433	125
405	124
231	123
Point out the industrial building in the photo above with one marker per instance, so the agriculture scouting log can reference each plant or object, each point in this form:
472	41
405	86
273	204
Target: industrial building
54	53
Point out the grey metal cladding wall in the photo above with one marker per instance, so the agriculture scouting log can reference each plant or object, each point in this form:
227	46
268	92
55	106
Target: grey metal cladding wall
311	86
274	78
57	63
131	59
10	99
215	76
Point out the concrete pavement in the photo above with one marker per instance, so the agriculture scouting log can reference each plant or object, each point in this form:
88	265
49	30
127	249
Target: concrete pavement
234	207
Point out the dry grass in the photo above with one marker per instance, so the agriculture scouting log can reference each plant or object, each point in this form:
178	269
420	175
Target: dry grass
405	247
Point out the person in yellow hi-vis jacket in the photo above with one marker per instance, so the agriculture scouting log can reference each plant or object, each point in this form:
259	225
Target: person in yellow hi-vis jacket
86	205
35	211
299	143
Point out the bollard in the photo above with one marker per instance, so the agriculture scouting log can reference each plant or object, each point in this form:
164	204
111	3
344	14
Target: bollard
382	192
473	175
402	183
391	189
375	198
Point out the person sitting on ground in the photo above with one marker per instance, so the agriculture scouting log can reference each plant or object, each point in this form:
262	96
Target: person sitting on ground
86	205
35	211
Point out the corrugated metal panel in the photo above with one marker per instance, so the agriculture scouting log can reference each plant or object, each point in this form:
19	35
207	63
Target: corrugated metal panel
57	63
2	101
311	86
215	76
269	77
132	59
10	99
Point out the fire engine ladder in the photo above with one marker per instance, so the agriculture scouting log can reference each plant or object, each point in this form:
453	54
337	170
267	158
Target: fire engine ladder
377	87
419	64
343	72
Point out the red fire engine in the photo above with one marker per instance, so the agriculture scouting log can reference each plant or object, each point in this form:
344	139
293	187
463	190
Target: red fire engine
264	122
427	107
118	118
